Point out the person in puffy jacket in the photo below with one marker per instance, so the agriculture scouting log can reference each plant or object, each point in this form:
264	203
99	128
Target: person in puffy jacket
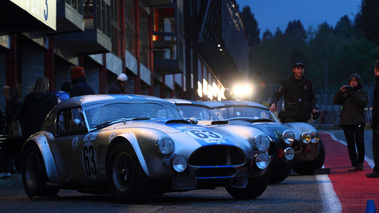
79	83
119	86
353	99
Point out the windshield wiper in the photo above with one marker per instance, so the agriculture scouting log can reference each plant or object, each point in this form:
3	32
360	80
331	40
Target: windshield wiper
108	123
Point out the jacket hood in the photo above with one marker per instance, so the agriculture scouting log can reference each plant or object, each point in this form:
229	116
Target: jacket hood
36	97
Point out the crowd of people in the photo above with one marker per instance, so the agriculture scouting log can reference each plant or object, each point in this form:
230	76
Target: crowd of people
296	90
30	112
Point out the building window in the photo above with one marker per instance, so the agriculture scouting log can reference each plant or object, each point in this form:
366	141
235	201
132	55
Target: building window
129	26
103	9
77	5
165	39
115	28
144	37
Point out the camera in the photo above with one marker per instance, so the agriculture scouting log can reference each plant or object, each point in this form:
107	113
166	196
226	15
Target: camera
348	87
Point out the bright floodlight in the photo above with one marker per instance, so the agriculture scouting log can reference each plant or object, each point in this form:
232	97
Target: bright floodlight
242	91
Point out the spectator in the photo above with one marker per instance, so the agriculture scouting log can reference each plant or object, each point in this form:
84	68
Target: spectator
12	111
299	98
119	86
79	83
322	120
37	104
375	124
64	93
353	99
228	94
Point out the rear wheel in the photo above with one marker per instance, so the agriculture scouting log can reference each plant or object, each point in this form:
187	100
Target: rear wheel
34	176
126	179
255	187
308	168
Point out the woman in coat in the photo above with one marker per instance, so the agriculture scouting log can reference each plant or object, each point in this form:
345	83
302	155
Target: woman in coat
353	99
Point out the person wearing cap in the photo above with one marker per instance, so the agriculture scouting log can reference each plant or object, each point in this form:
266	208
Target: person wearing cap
299	97
119	86
79	83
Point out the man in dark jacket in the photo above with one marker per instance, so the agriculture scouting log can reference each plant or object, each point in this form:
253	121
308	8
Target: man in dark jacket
375	124
79	83
119	86
299	98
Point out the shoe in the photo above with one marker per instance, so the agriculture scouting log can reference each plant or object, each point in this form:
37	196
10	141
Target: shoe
373	175
353	169
5	175
360	167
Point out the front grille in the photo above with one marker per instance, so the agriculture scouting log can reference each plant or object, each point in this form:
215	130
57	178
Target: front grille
217	156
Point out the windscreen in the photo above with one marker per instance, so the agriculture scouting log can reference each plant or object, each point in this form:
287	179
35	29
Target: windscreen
201	113
235	112
129	111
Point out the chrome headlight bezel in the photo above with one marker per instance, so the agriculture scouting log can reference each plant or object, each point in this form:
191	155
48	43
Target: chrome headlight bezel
305	137
261	142
179	164
289	153
315	136
262	161
165	145
288	137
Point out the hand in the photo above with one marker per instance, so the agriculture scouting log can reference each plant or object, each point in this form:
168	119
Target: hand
273	107
314	111
342	89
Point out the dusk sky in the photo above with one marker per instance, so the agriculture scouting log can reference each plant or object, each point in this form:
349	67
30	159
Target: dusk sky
271	14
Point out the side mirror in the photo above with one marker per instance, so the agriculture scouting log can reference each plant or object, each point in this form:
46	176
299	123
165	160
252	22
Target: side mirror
193	120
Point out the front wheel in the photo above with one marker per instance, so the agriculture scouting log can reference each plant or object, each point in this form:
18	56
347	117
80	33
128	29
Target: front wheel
308	168
255	187
126	179
34	176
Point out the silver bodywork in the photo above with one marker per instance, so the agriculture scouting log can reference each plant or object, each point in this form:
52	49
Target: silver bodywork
75	151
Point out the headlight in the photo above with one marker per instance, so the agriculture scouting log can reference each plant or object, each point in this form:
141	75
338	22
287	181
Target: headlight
288	137
179	164
305	137
289	153
262	142
315	136
165	145
262	161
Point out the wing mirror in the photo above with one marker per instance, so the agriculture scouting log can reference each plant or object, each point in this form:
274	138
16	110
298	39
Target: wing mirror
193	120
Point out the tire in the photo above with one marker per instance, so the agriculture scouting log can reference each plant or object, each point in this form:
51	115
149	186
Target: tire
126	179
255	187
308	168
281	172
34	176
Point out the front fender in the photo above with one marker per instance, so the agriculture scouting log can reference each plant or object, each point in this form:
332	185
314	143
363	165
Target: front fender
41	140
134	143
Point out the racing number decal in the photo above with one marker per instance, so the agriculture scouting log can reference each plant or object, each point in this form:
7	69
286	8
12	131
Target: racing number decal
206	135
89	160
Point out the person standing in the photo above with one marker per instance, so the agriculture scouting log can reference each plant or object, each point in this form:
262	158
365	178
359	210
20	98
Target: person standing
79	83
64	93
36	106
375	124
12	112
353	99
299	97
119	86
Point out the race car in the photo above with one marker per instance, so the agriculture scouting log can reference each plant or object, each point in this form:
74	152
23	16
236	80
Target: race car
136	146
307	145
280	151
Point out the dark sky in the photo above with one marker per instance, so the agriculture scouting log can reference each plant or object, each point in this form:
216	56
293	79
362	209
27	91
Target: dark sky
271	14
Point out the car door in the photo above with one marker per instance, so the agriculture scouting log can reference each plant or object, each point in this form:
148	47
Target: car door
69	147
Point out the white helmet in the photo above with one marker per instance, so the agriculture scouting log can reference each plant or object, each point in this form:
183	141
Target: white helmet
122	77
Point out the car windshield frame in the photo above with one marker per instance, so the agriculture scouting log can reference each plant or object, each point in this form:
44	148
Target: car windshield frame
98	116
235	112
199	112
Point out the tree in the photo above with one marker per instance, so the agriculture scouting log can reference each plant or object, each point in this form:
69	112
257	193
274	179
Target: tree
369	20
251	26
